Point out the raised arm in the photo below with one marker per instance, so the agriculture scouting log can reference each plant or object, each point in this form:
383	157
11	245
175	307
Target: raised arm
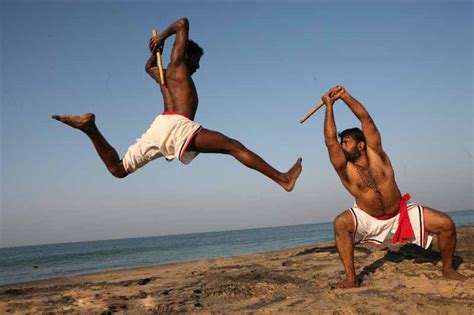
178	54
336	155
181	29
152	69
371	133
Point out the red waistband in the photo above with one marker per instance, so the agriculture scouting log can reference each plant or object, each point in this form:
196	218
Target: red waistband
403	201
404	231
175	113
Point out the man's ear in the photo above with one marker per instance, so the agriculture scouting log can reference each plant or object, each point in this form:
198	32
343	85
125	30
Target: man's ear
361	145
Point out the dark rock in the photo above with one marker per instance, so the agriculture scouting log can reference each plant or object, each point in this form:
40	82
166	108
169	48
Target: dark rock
144	281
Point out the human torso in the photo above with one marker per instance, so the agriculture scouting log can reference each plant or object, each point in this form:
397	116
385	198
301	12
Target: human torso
373	185
180	94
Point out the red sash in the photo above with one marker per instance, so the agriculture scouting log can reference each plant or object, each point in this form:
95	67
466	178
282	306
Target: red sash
404	231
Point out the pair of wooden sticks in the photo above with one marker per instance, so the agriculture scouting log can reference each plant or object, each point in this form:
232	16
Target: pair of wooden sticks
162	79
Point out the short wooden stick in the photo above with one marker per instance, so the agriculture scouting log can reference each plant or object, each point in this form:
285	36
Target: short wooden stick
159	61
311	112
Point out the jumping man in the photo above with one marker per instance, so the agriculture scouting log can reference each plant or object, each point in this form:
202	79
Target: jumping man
366	172
174	134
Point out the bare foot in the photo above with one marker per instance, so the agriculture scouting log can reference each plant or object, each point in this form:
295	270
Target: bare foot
292	175
453	274
346	284
81	122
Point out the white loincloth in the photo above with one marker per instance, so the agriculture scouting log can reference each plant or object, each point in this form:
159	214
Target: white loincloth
370	229
168	136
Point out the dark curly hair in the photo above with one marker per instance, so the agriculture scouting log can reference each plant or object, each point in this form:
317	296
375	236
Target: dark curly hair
354	133
194	48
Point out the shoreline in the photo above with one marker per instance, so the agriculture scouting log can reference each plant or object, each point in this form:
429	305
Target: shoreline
151	266
397	279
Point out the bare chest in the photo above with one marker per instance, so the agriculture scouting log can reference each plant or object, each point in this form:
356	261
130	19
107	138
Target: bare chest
367	178
374	189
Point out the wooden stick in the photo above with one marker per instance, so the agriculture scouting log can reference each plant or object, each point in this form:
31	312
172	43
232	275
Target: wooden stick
159	61
311	112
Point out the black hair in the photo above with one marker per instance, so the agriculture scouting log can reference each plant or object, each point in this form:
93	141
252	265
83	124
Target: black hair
194	48
354	133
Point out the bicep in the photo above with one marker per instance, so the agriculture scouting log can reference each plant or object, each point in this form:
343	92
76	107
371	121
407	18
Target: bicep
371	134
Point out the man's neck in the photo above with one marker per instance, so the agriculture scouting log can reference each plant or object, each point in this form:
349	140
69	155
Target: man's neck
362	161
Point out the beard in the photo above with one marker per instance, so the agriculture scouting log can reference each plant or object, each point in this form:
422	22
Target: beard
353	155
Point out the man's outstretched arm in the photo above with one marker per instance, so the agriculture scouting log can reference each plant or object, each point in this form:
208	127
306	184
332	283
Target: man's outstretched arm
336	155
371	133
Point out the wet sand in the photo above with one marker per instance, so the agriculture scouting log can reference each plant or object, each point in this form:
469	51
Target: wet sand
394	280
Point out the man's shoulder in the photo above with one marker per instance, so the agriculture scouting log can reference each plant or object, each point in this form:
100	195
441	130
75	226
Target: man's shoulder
378	156
344	174
178	71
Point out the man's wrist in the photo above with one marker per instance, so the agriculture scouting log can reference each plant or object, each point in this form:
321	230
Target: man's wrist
344	95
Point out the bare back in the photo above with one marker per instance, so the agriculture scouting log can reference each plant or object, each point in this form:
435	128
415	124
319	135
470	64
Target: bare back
180	93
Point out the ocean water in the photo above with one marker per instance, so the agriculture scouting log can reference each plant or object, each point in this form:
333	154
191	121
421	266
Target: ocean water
27	263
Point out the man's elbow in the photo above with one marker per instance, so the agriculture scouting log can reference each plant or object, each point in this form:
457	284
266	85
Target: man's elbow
183	23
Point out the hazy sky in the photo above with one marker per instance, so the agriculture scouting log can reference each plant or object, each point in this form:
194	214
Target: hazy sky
266	64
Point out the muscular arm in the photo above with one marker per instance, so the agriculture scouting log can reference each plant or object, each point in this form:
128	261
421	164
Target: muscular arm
178	54
336	155
181	29
371	133
152	69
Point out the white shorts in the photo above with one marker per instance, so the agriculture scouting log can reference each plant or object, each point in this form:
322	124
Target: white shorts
370	229
169	135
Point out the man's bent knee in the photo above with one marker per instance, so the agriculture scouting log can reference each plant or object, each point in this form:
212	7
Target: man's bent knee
439	222
233	146
118	171
344	223
448	224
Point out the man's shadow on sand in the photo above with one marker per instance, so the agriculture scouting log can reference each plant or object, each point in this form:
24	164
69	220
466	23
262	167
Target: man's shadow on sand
405	252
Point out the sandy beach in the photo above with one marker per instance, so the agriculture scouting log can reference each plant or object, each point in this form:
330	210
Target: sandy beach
394	279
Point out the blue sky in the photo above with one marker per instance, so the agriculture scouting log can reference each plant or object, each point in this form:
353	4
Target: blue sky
266	64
